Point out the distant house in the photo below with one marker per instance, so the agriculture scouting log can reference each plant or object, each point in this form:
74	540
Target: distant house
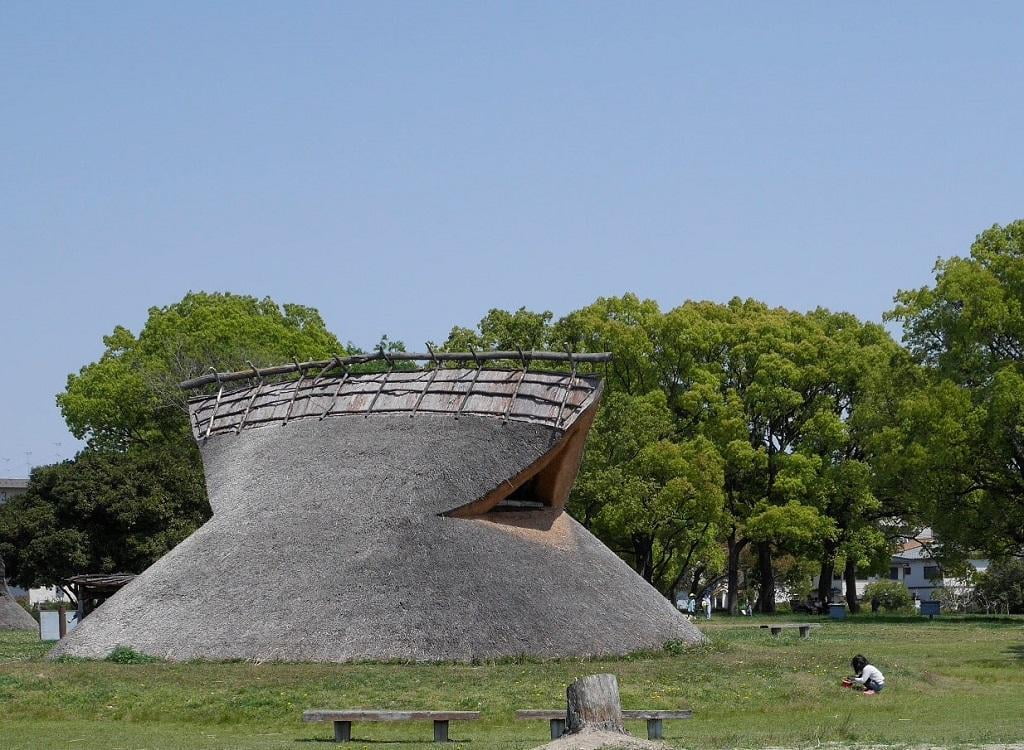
915	567
10	488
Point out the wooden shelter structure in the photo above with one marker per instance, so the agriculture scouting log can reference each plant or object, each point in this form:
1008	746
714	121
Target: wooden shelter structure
398	514
90	590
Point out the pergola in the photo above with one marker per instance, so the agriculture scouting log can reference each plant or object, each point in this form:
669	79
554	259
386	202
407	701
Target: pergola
90	590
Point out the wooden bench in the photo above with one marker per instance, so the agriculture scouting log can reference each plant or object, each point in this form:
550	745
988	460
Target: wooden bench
343	719
653	718
777	627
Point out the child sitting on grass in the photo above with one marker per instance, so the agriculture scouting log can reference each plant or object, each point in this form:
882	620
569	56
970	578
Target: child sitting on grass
868	676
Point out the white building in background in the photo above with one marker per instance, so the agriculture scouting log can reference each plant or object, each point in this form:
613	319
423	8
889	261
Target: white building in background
11	487
914	567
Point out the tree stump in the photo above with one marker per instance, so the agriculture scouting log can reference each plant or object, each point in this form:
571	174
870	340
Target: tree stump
592	703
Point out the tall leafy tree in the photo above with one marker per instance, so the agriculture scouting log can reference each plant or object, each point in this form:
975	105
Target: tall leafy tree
762	398
502	330
656	502
137	488
129	396
963	438
104	512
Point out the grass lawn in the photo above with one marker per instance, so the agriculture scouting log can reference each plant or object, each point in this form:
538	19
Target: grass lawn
951	681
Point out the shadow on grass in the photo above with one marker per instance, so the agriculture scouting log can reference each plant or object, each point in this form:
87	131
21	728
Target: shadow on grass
451	741
879	617
1017	652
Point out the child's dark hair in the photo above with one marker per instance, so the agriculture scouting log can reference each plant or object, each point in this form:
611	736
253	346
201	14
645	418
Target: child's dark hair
858	663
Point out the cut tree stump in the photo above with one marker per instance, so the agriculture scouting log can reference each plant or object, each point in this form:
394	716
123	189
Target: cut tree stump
592	704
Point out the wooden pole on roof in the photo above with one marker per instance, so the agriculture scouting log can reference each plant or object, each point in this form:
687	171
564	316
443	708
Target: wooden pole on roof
391	357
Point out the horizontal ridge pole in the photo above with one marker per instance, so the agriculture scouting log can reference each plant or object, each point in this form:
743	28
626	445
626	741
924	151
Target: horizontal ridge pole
358	359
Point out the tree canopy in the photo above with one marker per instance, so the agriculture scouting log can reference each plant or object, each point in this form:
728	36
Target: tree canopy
137	487
130	394
731	435
962	445
755	408
104	512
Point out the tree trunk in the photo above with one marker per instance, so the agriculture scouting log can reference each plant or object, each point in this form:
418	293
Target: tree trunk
643	553
732	595
828	569
695	583
766	596
850	574
592	703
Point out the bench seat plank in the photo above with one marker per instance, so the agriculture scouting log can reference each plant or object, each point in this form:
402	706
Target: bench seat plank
627	713
540	713
648	715
322	714
791	625
653	717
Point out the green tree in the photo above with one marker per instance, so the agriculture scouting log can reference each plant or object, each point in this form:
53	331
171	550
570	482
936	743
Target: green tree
1001	587
501	330
130	396
104	512
137	488
762	384
655	501
779	397
963	439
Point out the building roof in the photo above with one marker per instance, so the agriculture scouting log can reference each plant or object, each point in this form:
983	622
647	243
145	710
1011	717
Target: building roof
13	484
421	521
100	581
552	399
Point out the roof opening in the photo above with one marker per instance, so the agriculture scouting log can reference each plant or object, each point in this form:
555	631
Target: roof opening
526	497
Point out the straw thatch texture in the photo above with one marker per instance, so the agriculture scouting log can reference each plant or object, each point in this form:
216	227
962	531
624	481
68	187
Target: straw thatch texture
12	615
327	544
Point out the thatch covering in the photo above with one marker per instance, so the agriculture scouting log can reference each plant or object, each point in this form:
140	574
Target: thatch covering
389	536
12	615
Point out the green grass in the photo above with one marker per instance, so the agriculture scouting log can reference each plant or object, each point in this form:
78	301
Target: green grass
951	681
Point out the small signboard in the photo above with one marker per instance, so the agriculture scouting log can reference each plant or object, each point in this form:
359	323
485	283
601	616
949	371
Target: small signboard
49	624
930	608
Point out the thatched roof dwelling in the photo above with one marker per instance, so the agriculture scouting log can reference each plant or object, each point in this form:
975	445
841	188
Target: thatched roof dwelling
393	516
12	615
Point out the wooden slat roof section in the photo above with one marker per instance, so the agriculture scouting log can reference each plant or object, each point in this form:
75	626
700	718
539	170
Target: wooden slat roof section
101	581
322	367
555	399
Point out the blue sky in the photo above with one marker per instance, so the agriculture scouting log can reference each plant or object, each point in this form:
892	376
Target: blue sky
404	167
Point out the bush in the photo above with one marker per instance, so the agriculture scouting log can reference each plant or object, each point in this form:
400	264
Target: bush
1001	587
128	655
892	595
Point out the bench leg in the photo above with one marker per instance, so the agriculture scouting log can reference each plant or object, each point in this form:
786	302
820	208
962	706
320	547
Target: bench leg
776	632
557	728
343	731
440	731
654	729
805	632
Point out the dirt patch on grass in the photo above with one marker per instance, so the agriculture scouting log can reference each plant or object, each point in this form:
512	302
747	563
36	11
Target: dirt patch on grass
601	741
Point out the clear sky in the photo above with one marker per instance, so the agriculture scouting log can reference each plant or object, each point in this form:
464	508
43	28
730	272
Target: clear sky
404	167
